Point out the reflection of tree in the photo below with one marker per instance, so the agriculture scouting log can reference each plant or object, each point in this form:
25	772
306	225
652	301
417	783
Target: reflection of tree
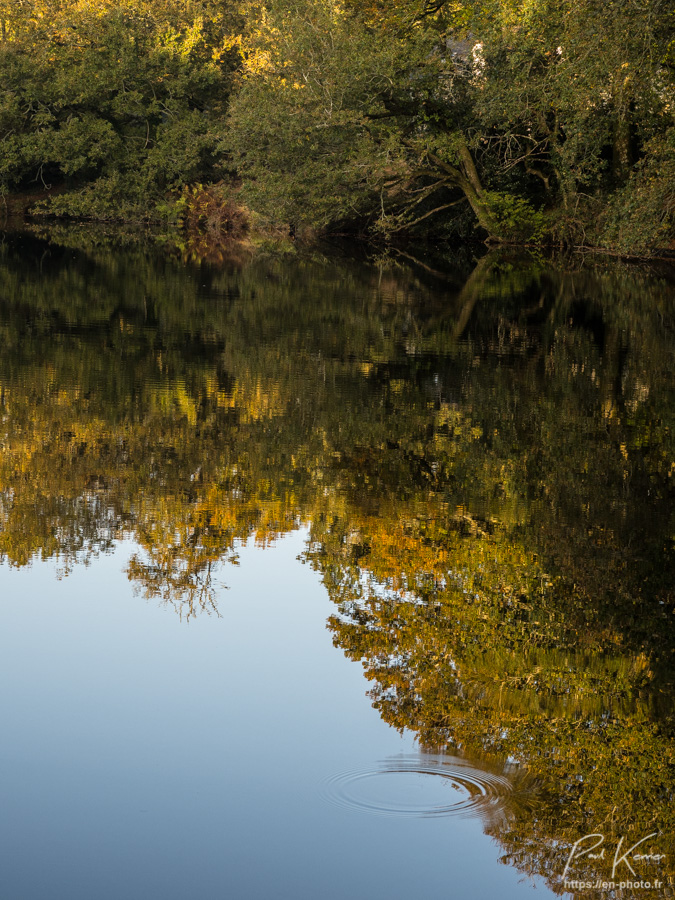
470	643
491	504
122	414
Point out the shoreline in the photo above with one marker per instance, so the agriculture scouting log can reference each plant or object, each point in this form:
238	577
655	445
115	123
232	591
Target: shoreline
17	219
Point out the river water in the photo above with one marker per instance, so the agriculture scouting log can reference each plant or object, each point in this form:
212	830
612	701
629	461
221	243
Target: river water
323	577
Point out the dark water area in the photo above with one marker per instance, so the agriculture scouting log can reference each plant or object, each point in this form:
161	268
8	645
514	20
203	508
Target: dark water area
322	577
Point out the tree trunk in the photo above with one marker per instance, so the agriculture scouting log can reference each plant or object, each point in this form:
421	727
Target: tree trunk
474	191
466	178
621	151
481	209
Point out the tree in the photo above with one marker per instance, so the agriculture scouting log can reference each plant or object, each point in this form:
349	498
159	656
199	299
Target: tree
336	120
112	104
393	114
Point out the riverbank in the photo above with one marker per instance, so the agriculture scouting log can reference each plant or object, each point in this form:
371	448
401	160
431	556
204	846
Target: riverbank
202	229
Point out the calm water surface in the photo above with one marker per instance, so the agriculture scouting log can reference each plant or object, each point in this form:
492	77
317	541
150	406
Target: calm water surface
324	579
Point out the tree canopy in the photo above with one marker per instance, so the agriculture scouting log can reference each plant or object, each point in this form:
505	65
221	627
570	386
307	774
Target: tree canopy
535	119
543	122
112	104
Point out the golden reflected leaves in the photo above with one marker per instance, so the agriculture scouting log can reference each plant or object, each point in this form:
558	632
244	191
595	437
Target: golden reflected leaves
490	507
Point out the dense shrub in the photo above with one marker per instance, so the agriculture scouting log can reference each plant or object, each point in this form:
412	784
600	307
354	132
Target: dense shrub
116	103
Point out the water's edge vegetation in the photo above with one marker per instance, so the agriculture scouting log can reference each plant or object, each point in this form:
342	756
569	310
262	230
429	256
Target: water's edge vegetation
545	123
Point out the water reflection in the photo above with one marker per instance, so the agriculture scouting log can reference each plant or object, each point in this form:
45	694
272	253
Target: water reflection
427	785
485	463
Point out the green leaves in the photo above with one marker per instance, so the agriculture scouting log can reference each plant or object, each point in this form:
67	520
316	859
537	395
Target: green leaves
541	111
102	95
549	122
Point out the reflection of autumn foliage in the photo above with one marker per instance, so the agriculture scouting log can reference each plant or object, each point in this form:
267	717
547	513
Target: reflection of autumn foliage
71	485
490	505
181	566
469	642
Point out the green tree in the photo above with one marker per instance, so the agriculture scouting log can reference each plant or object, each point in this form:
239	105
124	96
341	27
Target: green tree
112	105
390	115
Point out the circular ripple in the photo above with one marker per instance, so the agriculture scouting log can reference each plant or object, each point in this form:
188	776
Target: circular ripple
420	787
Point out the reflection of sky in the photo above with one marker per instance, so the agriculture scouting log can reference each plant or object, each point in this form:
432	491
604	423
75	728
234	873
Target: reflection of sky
145	757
